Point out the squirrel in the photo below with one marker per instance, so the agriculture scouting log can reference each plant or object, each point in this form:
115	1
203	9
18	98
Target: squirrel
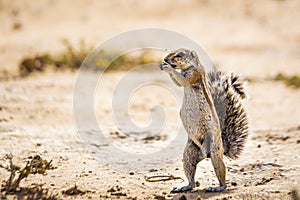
212	114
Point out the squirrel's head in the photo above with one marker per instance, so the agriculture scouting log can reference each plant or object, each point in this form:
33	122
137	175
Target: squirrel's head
186	61
182	59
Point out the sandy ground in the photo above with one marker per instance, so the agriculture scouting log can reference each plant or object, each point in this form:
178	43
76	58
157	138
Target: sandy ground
256	39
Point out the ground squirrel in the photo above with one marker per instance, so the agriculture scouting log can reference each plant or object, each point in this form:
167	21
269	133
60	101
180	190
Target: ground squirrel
212	114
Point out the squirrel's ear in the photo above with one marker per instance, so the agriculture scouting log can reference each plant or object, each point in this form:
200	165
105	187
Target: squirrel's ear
193	54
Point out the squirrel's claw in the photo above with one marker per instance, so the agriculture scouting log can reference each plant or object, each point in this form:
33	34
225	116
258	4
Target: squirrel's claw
181	189
216	189
164	65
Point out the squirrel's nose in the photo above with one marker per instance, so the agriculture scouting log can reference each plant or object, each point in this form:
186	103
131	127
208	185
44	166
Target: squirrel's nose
162	64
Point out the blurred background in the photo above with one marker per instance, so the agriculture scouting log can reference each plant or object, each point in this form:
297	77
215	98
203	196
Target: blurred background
256	38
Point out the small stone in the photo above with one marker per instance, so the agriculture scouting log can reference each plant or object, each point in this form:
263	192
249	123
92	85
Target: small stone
258	146
17	26
131	173
198	198
182	197
159	197
233	183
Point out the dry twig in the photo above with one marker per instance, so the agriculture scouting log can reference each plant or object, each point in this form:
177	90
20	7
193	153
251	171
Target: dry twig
158	178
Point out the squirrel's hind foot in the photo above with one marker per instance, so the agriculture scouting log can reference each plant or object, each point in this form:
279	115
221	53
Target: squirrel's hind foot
216	189
181	189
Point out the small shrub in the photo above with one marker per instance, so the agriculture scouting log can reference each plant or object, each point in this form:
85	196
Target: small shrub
34	63
35	165
291	81
72	58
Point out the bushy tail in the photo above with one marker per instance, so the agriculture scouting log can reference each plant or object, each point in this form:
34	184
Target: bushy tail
236	85
227	93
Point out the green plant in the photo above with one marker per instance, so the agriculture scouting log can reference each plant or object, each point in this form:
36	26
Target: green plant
72	58
34	63
35	165
292	80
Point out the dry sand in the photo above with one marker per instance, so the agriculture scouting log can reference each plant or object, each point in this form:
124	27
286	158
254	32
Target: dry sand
256	39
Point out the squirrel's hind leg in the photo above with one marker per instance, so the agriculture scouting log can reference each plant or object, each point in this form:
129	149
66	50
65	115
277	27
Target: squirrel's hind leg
216	155
191	157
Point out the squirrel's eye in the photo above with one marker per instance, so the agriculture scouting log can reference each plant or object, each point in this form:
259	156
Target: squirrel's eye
180	55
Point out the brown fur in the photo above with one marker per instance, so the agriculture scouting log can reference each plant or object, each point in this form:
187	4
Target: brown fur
204	116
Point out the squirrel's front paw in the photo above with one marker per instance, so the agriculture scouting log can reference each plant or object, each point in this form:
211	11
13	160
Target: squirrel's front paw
164	66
